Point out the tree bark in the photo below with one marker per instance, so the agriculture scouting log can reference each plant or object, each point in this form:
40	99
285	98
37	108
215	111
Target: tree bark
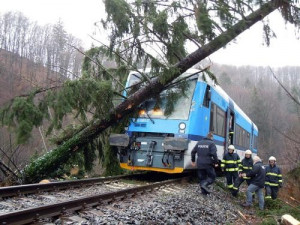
41	167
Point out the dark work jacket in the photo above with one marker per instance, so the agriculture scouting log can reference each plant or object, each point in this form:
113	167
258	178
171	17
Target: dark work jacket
207	153
246	166
273	176
231	162
257	174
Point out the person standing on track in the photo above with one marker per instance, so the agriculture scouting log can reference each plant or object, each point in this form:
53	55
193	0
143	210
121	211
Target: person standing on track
207	158
230	165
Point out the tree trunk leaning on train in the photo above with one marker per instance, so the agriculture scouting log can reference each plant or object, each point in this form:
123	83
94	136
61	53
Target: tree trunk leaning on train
41	167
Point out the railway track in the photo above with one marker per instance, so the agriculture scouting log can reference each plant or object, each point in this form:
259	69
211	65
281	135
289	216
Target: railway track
61	185
35	214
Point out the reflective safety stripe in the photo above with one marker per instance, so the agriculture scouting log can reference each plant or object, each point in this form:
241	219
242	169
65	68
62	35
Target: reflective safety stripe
272	174
280	181
235	188
230	185
271	184
247	168
222	163
246	178
232	161
232	169
279	175
268	197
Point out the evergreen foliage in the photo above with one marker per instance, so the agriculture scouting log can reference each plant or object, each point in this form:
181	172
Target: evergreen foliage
77	97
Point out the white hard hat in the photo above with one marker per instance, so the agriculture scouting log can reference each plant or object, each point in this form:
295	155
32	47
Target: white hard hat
248	152
272	158
231	147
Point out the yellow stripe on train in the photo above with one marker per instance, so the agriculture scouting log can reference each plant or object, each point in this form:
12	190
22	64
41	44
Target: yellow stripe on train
175	170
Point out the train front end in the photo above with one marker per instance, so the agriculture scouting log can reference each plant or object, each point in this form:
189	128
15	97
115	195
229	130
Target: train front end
156	142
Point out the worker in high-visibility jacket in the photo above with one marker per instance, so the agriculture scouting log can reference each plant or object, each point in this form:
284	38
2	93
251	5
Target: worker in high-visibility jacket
273	179
230	165
245	166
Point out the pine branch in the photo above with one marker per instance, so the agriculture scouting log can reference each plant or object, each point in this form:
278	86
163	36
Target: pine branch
98	65
184	78
38	91
134	68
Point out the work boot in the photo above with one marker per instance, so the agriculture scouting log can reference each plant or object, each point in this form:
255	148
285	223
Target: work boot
203	192
205	187
234	193
246	205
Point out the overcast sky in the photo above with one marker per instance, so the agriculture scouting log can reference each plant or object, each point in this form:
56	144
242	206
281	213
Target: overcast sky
79	16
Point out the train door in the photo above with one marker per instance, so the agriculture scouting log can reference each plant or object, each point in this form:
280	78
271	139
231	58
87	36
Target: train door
230	128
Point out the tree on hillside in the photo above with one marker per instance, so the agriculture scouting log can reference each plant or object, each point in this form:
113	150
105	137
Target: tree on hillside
142	33
48	45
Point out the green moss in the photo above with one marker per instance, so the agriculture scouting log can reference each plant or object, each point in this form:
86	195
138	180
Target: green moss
276	208
269	221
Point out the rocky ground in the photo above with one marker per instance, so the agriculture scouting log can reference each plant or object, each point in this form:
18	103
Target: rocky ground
180	204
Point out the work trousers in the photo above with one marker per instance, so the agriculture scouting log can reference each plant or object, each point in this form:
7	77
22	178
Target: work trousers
271	191
230	178
259	191
237	183
206	177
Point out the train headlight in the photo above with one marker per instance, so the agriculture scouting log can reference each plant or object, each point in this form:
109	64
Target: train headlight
182	126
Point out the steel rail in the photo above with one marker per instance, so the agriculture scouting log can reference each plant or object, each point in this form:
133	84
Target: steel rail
60	185
34	214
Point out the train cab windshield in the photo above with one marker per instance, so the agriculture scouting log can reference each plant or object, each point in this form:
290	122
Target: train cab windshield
151	109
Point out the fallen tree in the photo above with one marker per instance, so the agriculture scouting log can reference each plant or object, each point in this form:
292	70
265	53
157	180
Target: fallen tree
49	162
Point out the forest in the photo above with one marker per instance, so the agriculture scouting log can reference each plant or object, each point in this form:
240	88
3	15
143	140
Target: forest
36	60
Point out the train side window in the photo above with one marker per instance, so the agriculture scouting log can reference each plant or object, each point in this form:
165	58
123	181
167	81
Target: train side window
213	118
217	120
248	140
242	137
207	96
255	142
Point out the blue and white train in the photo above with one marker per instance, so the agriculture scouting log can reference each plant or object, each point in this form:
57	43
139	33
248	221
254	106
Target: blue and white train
158	143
